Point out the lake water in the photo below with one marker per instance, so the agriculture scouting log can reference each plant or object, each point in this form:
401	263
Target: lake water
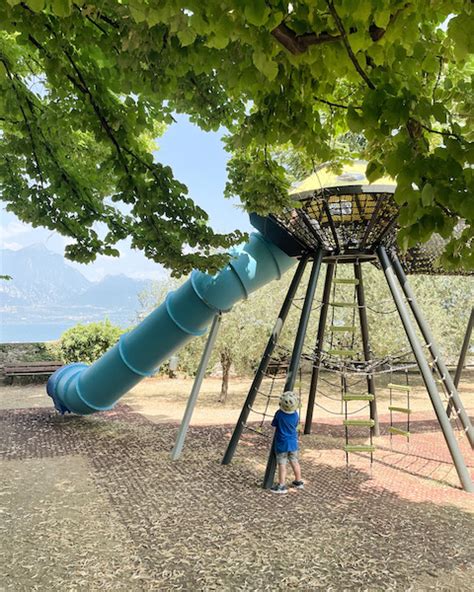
29	333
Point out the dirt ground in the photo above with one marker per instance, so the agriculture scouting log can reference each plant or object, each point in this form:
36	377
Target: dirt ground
94	503
164	400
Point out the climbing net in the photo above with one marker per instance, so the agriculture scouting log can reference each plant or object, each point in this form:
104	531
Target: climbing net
268	395
345	373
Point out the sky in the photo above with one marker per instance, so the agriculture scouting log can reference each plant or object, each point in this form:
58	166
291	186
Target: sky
197	158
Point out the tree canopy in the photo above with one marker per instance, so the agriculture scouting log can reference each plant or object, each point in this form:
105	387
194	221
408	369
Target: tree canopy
85	88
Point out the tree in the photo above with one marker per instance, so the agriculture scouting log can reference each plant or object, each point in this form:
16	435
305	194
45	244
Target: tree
445	301
242	335
86	343
245	331
86	87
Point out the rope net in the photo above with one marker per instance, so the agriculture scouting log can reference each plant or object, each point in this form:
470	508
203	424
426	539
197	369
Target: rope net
345	371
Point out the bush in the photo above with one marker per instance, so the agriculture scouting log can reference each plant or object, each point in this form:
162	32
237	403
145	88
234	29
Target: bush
86	343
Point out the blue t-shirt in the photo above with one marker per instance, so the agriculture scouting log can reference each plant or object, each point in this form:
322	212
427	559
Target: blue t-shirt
286	436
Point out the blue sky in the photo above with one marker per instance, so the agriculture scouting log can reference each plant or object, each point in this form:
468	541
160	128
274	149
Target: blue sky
197	158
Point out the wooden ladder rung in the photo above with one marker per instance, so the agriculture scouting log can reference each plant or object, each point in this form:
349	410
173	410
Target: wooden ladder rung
358	397
343	328
399	432
363	423
359	448
352	281
399	387
399	409
342	352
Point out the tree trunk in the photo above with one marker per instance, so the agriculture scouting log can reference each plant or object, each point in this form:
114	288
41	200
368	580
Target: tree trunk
226	361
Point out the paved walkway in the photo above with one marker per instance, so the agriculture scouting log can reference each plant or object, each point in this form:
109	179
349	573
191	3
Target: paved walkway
418	470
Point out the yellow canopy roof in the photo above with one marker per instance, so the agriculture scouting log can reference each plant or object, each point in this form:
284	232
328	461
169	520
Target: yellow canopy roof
352	174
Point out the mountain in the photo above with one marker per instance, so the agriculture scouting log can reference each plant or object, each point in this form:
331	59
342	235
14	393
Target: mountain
113	291
39	276
46	295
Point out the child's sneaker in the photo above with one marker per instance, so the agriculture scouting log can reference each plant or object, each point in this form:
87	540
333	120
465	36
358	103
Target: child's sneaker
277	488
298	484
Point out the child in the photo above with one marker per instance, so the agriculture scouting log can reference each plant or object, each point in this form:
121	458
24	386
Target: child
286	441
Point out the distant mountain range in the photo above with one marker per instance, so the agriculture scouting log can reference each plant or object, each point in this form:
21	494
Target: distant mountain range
44	288
39	276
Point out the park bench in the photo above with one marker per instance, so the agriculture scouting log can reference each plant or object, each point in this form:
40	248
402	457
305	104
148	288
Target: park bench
10	371
277	368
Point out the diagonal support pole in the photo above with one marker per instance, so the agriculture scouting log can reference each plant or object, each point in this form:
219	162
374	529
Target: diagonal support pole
464	348
434	350
364	330
428	379
296	355
323	315
188	413
262	368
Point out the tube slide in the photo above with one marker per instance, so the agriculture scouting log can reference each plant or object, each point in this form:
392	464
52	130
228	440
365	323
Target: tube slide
186	313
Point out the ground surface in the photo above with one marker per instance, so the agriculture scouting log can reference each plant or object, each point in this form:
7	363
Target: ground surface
94	503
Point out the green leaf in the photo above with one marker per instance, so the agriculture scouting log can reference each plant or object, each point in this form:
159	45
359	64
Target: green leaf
218	40
61	7
354	120
186	36
138	12
439	112
374	171
382	18
36	5
427	195
460	29
257	12
364	8
265	65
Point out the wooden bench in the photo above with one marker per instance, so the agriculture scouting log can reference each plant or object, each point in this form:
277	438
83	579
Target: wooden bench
30	369
277	368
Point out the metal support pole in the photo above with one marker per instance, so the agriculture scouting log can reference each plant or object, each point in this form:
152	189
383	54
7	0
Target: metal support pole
428	379
465	347
262	368
364	330
296	356
206	354
323	315
434	350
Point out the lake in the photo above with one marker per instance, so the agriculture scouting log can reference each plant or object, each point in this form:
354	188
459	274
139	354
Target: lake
30	333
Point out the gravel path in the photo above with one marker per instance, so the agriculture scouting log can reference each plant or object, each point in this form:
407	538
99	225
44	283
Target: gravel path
94	503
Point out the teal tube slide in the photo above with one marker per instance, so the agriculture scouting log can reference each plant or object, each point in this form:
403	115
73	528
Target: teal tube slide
186	313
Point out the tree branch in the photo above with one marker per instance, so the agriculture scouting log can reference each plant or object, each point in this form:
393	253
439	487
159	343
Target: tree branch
446	210
14	121
442	133
298	44
332	104
438	78
347	45
376	33
105	124
415	127
81	84
26	121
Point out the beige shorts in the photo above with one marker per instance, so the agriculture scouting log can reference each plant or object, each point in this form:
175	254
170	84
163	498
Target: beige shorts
284	457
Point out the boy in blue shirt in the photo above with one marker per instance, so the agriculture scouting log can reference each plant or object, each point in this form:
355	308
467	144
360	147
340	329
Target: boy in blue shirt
285	423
